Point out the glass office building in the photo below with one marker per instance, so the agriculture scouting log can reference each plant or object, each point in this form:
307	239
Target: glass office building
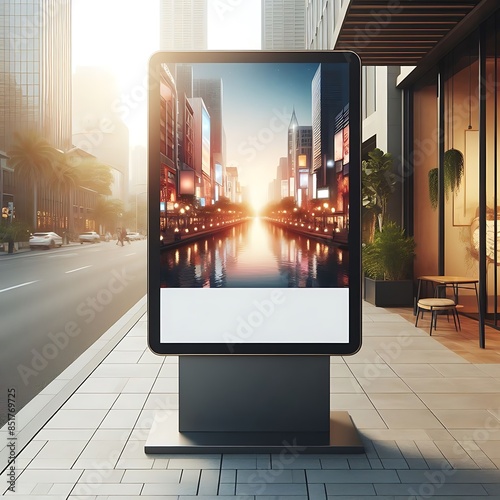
35	95
35	70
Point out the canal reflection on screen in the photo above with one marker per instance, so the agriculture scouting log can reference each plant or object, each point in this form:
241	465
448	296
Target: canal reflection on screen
255	254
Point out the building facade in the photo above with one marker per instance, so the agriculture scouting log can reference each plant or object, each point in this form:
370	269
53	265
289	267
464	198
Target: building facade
302	158
381	100
450	101
35	70
283	25
183	25
168	139
211	91
329	96
202	147
36	97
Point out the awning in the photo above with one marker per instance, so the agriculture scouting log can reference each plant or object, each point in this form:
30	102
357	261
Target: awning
398	32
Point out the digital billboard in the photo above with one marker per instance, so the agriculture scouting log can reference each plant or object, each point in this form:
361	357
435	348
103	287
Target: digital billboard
244	269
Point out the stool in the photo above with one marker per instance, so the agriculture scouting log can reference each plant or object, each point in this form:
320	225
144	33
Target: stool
435	305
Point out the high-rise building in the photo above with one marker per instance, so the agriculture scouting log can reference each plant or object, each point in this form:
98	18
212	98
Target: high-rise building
35	70
35	96
283	24
290	145
183	24
201	150
233	185
168	136
211	91
329	95
302	154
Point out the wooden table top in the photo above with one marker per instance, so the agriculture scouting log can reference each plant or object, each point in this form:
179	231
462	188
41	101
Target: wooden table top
449	279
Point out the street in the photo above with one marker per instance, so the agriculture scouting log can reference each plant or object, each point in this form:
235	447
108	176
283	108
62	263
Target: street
55	303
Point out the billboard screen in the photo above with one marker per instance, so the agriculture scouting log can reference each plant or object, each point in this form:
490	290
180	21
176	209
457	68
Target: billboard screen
244	273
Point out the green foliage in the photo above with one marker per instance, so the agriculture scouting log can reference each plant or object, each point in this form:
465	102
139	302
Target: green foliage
390	256
110	213
31	156
94	174
453	175
433	187
15	231
377	184
453	169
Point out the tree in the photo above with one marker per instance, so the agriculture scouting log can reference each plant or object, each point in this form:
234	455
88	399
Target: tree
32	158
65	179
109	213
93	174
378	181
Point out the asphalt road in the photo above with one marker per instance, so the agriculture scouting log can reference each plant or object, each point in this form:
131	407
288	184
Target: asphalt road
55	303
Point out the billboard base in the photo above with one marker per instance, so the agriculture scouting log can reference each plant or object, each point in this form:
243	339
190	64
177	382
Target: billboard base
165	437
253	404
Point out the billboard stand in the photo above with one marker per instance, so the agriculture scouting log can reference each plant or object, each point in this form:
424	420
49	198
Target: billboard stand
254	404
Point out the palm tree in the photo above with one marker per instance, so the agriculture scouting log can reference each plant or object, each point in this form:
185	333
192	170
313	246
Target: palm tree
65	179
31	158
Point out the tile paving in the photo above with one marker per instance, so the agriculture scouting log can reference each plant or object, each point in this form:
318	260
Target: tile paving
428	410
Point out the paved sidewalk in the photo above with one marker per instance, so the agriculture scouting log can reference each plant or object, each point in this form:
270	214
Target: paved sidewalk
428	417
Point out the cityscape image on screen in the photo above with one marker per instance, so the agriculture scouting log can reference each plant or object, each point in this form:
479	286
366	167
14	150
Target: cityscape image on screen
254	175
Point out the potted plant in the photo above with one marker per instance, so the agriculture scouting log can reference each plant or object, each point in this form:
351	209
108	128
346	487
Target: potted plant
388	268
453	173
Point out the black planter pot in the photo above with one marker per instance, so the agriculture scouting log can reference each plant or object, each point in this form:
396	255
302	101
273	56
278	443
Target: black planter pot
382	293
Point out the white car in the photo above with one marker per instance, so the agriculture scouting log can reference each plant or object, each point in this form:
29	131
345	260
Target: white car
89	237
134	236
46	240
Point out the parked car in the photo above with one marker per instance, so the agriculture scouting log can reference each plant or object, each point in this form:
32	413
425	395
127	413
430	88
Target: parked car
89	237
46	240
134	236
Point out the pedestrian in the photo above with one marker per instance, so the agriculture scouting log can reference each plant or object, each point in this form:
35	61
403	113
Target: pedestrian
124	236
119	237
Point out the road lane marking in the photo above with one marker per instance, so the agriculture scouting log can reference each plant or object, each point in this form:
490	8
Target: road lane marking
77	269
129	254
58	256
18	286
